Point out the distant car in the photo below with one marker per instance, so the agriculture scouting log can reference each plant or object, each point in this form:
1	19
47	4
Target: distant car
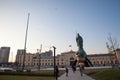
6	69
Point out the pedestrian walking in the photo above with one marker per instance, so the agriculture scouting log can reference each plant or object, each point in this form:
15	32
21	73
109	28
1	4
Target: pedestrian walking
56	72
66	70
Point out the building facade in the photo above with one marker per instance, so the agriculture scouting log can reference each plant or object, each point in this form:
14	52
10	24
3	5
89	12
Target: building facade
4	55
20	56
46	59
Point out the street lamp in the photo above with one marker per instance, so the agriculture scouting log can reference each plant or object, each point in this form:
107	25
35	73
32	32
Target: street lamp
54	59
39	57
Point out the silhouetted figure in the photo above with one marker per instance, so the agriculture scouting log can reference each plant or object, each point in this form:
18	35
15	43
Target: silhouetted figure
66	70
56	72
74	66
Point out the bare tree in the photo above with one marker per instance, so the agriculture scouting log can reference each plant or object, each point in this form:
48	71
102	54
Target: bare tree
112	46
109	50
113	42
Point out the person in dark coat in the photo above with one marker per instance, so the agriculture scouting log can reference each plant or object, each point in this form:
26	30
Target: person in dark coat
66	70
56	72
74	65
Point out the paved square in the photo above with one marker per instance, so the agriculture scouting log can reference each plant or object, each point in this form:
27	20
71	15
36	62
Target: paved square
74	76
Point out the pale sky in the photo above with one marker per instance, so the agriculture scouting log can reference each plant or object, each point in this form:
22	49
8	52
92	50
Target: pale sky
55	23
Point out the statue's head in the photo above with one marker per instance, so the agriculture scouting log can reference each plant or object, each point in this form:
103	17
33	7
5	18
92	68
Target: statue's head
78	35
79	41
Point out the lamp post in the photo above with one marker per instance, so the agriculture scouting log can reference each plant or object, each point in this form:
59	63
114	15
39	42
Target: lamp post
54	59
39	57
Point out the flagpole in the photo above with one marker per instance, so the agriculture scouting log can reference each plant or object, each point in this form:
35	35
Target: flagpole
25	42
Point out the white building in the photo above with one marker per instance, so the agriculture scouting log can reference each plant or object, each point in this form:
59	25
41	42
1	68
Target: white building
64	59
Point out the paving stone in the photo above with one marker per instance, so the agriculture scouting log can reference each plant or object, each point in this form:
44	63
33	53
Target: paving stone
74	76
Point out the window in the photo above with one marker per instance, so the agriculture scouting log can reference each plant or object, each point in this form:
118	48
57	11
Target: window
58	64
71	59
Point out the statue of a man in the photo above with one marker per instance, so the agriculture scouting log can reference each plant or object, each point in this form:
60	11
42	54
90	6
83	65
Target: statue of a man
79	41
81	54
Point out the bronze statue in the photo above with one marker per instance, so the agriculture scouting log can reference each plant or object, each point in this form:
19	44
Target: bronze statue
81	56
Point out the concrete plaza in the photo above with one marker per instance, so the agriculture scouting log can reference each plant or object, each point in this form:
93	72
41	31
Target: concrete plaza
74	76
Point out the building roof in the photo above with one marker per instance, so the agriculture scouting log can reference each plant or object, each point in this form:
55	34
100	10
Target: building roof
68	52
97	55
118	49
